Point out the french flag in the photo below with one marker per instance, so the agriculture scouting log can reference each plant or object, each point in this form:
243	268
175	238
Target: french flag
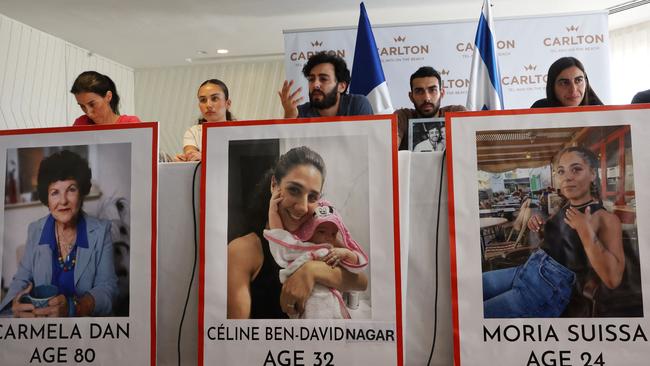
485	81
367	74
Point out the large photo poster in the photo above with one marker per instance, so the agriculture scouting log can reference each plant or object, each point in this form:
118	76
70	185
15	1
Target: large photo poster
550	247
78	245
300	245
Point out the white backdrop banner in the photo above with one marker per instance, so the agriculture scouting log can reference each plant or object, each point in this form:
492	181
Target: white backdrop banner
527	46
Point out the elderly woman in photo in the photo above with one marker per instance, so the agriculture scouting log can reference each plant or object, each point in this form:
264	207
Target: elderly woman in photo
67	248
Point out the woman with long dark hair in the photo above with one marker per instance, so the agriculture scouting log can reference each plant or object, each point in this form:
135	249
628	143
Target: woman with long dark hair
582	239
97	96
214	104
567	85
254	288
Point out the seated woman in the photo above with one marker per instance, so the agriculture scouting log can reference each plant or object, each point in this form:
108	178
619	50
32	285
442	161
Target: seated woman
97	96
67	248
567	85
214	105
581	240
254	288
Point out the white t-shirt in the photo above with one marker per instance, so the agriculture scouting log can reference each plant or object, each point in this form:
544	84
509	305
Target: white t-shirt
192	137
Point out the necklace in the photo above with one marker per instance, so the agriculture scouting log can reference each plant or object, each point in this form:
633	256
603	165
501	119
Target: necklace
582	205
70	247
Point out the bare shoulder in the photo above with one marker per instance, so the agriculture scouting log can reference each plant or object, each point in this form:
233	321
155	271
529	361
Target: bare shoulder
246	252
607	220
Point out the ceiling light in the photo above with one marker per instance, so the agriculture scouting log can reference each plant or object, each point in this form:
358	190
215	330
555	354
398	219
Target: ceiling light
188	60
222	51
201	53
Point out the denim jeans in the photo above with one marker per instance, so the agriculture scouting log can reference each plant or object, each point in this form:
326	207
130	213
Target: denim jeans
539	288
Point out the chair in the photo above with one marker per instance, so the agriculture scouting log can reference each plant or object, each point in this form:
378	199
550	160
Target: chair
511	253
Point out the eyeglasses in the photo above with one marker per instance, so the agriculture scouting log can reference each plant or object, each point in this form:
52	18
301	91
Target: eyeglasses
565	83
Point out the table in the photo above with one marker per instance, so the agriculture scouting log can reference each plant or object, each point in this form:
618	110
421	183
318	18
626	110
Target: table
419	175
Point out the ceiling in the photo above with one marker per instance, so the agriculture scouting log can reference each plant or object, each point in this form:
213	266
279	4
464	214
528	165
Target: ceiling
157	33
500	151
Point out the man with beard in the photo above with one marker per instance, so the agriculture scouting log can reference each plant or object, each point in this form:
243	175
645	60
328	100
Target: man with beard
328	78
434	142
426	94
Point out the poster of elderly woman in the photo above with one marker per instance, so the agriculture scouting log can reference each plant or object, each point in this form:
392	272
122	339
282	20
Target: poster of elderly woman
309	234
67	230
550	237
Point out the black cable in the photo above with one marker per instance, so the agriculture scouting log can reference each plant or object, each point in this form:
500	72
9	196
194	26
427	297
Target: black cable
435	296
189	289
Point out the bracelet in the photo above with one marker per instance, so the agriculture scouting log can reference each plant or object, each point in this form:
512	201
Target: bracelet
72	306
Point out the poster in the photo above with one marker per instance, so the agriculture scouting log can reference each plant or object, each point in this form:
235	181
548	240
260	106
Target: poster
545	220
427	134
78	227
526	47
264	179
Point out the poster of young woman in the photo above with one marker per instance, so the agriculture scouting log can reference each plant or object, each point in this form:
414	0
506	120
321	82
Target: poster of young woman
78	233
548	262
300	243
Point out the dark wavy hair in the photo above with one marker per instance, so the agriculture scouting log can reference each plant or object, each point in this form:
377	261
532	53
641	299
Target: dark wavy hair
425	72
63	165
341	71
592	160
94	82
224	88
561	64
259	208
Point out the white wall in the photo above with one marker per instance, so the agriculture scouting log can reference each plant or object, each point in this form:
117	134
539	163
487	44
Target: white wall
168	95
630	53
37	71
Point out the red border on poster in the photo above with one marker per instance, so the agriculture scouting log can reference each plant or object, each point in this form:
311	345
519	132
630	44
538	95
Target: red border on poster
154	196
297	121
450	181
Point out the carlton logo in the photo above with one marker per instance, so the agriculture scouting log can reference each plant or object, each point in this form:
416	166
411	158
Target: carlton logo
451	83
501	45
530	77
316	43
305	55
403	49
574	39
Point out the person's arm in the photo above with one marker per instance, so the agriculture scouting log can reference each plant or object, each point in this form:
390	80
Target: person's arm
190	153
289	99
297	289
451	108
602	239
363	107
402	125
245	258
104	286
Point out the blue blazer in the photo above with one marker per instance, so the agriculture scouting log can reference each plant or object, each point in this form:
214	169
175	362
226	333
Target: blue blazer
94	272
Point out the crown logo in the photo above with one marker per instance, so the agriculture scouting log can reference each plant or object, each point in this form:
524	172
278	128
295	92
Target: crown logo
444	72
316	43
399	39
530	67
572	28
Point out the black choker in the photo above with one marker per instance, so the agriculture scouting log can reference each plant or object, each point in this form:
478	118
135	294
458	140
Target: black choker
583	205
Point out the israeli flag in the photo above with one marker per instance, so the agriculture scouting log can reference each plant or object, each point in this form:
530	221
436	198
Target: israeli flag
485	81
367	74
